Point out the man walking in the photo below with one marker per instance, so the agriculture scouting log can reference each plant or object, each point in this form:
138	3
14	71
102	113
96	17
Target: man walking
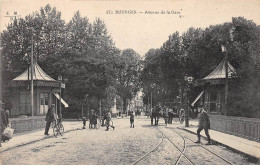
204	123
50	116
108	121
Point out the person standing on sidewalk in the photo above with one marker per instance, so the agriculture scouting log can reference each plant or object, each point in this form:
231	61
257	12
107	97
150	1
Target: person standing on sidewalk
132	120
4	123
108	121
204	123
50	116
84	122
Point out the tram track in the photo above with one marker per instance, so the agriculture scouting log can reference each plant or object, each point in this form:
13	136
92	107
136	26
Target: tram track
142	157
175	146
182	149
200	145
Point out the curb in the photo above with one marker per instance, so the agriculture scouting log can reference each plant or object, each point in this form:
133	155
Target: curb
33	141
251	158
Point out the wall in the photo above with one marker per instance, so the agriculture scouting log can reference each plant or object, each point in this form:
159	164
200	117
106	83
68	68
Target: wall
243	127
27	124
25	109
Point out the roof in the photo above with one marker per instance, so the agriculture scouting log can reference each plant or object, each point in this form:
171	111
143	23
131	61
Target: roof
220	73
38	74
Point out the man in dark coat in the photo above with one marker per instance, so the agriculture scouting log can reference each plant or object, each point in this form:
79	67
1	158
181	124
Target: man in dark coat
204	123
132	120
50	116
4	123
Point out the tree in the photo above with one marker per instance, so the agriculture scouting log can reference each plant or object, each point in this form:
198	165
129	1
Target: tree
128	72
45	30
90	69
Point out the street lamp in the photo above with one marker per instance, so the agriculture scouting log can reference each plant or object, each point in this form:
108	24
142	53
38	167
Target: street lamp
224	50
86	97
60	79
189	81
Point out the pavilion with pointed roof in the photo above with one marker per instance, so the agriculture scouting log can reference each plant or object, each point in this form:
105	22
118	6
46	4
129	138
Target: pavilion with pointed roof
46	92
212	87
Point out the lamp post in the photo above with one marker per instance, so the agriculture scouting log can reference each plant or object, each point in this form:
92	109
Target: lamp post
224	49
86	96
189	81
60	79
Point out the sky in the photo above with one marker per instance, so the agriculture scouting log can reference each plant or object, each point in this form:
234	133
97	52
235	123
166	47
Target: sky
141	24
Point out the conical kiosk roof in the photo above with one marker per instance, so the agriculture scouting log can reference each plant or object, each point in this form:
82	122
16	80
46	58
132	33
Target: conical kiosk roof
220	71
38	74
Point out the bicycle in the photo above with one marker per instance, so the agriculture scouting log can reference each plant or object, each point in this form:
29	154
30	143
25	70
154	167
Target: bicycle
181	115
57	127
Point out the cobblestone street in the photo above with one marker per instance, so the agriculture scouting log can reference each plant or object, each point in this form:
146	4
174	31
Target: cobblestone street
123	146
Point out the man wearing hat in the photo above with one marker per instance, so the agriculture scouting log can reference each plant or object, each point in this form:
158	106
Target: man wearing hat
204	123
50	116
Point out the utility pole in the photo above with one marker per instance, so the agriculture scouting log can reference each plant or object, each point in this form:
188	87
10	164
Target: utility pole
224	49
60	99
188	83
60	79
86	96
1	79
187	107
32	72
151	102
100	109
226	81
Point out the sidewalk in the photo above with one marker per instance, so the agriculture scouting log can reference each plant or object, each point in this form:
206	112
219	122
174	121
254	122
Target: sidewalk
25	138
242	145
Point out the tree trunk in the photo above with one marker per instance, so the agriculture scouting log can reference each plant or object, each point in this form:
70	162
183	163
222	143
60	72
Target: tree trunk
125	106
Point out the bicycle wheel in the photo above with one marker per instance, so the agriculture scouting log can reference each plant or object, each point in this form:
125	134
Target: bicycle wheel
55	130
61	129
181	115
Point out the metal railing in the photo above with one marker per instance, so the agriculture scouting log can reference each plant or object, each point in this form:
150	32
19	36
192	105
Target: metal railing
239	126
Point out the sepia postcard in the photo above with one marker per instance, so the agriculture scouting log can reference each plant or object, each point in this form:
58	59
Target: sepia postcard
120	82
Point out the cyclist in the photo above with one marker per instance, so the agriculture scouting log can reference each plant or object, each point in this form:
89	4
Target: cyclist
108	121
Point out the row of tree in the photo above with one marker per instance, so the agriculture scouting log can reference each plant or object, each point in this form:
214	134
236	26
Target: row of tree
80	51
196	53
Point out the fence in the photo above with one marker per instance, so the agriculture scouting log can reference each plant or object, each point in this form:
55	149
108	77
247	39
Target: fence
243	127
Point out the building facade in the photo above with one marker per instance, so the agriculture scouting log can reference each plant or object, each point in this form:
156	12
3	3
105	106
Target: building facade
45	92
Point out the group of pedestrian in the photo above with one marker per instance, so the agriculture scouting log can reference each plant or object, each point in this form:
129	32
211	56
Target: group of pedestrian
204	122
106	121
